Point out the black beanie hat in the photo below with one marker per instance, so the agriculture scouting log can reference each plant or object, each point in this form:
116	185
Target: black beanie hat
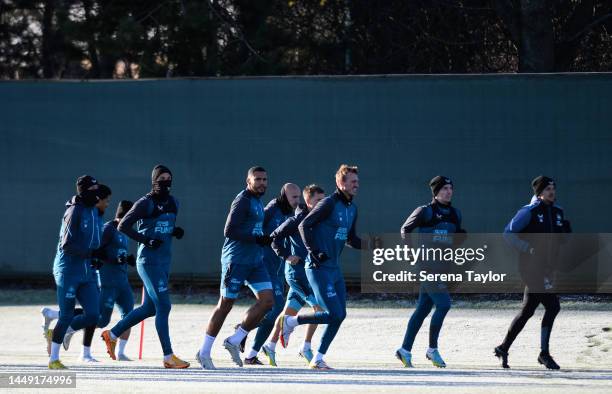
84	182
158	170
539	183
123	208
438	182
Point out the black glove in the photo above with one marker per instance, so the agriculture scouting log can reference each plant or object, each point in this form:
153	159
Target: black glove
459	237
99	254
178	232
567	226
318	258
264	240
376	242
96	263
153	243
126	259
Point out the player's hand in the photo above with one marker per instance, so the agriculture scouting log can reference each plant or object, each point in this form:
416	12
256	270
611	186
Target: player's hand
178	232
322	257
376	242
459	237
96	263
293	260
263	240
131	260
153	243
567	226
318	258
99	254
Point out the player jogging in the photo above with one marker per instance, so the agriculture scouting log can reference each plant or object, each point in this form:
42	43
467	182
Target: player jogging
438	218
325	231
241	262
536	265
275	213
155	216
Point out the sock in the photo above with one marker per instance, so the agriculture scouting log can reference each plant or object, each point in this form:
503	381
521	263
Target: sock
318	357
113	336
86	352
121	348
252	353
271	345
55	349
168	357
238	336
207	346
305	346
431	349
52	313
292	321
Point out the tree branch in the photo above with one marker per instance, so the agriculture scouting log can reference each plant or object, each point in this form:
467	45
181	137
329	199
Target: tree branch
239	33
588	27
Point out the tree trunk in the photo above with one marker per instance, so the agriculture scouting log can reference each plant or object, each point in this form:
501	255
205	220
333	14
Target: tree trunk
537	46
48	39
531	29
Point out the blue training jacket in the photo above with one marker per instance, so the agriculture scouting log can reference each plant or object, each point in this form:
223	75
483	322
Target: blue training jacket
79	236
112	273
244	223
154	219
328	227
288	231
434	218
273	217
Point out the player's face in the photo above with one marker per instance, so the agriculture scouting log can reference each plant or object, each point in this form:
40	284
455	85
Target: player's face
258	182
350	185
164	177
293	196
312	201
103	204
549	194
445	195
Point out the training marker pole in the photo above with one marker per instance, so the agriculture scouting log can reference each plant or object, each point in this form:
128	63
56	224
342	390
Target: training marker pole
141	326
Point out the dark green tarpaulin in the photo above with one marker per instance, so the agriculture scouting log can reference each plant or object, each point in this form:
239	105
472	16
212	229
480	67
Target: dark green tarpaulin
491	134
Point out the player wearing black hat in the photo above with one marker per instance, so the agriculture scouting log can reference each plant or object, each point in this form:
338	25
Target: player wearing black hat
439	218
536	262
74	277
154	216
